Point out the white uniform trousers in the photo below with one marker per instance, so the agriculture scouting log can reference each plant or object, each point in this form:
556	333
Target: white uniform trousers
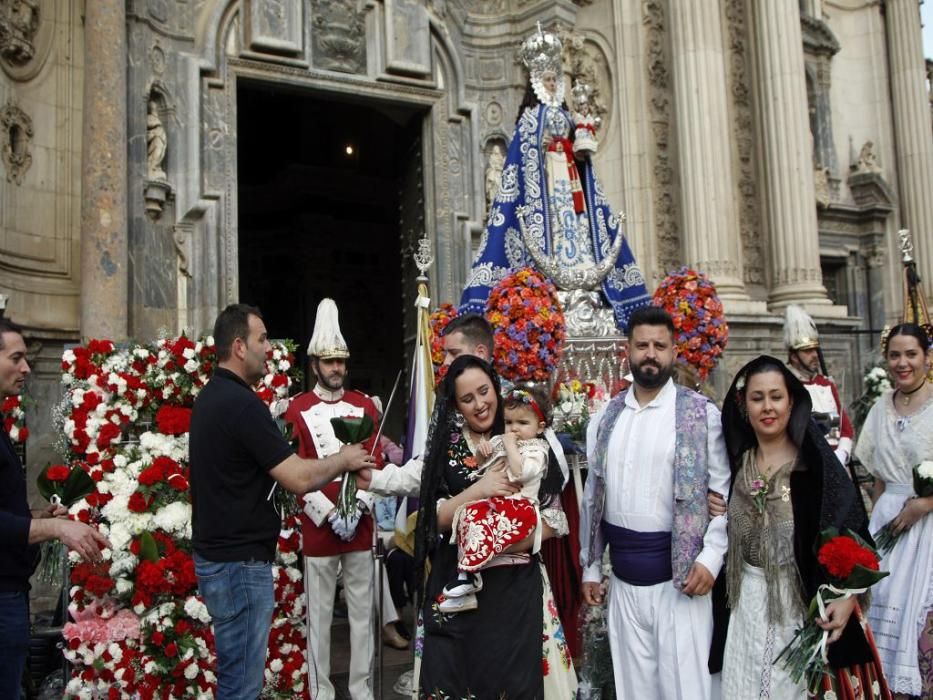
320	587
660	642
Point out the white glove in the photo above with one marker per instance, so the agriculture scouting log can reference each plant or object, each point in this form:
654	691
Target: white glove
345	528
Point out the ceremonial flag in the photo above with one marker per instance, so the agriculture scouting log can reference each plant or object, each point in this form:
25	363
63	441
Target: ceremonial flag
421	397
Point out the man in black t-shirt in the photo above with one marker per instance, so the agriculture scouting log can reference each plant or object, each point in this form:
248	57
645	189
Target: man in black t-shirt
237	454
21	529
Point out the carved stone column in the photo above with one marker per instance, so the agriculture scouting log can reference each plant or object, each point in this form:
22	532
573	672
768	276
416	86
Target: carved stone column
710	218
787	192
912	126
104	275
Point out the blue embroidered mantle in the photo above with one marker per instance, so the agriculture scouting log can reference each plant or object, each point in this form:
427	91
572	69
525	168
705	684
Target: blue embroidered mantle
524	183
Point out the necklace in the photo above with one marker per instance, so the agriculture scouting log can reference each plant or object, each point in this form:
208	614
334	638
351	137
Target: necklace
909	394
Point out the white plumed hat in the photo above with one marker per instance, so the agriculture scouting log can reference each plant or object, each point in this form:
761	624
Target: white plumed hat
327	341
799	329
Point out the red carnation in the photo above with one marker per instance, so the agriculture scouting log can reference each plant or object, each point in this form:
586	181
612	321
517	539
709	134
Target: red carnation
138	503
58	472
108	433
171	650
173	420
840	555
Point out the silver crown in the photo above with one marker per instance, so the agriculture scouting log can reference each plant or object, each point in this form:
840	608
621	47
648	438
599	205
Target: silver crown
541	52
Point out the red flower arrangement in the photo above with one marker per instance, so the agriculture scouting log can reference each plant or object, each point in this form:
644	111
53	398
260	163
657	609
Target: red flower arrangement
700	324
443	315
852	567
528	326
14	418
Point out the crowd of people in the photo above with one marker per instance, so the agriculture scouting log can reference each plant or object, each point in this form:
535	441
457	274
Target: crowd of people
670	493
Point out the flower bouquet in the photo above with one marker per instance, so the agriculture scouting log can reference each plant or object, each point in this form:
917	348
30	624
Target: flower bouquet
439	319
571	408
350	431
14	418
700	323
60	485
528	326
852	566
886	537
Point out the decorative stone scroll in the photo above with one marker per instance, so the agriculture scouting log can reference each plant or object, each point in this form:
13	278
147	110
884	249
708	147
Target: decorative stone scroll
16	138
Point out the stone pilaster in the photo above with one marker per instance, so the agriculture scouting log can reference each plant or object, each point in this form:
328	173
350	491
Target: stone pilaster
786	172
911	109
104	275
710	218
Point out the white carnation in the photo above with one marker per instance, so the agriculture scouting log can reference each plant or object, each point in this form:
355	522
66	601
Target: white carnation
191	671
925	469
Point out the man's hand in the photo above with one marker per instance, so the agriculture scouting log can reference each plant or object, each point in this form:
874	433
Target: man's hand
81	538
594	593
913	510
354	458
716	504
838	613
699	581
50	511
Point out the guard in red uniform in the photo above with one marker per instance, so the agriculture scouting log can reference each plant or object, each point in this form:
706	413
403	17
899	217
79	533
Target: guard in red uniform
330	541
803	357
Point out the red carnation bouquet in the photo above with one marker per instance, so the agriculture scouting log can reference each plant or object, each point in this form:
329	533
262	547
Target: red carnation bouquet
852	567
60	485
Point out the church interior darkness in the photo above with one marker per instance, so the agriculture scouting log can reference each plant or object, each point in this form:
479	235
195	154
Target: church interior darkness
320	192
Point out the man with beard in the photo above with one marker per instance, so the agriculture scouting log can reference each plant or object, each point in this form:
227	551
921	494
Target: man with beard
653	452
329	540
803	358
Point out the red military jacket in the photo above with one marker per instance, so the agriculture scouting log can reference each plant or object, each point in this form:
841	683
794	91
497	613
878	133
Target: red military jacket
309	413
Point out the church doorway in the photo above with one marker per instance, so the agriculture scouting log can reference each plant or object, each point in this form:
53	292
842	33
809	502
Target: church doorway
327	190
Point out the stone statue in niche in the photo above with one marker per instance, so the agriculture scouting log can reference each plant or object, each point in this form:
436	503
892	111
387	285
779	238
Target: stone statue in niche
494	172
19	22
867	160
339	36
156	143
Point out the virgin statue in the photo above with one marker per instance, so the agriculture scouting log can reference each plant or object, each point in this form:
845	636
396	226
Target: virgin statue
550	211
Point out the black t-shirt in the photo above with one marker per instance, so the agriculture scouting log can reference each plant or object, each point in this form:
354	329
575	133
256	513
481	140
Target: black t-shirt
18	558
233	444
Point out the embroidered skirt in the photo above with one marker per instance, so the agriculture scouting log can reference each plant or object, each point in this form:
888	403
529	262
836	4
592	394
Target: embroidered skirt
486	528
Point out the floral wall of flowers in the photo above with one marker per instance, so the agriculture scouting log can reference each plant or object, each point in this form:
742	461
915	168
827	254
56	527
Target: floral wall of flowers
138	627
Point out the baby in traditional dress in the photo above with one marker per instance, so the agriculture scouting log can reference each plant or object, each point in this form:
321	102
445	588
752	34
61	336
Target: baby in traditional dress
484	529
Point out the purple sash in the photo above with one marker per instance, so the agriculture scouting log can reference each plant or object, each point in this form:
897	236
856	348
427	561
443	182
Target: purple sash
639	558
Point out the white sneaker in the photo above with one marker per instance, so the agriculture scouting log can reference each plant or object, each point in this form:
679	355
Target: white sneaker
459	604
474	584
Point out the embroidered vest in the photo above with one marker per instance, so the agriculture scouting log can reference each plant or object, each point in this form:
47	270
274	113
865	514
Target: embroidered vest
691	481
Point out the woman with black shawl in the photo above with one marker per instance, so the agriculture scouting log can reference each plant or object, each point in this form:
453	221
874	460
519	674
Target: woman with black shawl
787	487
494	651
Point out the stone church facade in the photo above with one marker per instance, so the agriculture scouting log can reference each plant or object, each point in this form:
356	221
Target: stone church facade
777	146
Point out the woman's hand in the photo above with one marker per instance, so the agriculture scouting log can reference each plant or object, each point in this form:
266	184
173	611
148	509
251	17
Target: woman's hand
716	504
914	509
495	482
838	613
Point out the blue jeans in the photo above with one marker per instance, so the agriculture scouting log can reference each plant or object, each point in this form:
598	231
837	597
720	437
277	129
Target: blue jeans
14	642
240	598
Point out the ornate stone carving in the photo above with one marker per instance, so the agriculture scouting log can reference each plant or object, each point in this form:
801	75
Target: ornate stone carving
584	62
821	187
16	138
19	24
659	86
867	160
339	36
749	216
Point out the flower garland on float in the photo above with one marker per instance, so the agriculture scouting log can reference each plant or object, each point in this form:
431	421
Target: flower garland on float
439	319
139	629
528	326
701	331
